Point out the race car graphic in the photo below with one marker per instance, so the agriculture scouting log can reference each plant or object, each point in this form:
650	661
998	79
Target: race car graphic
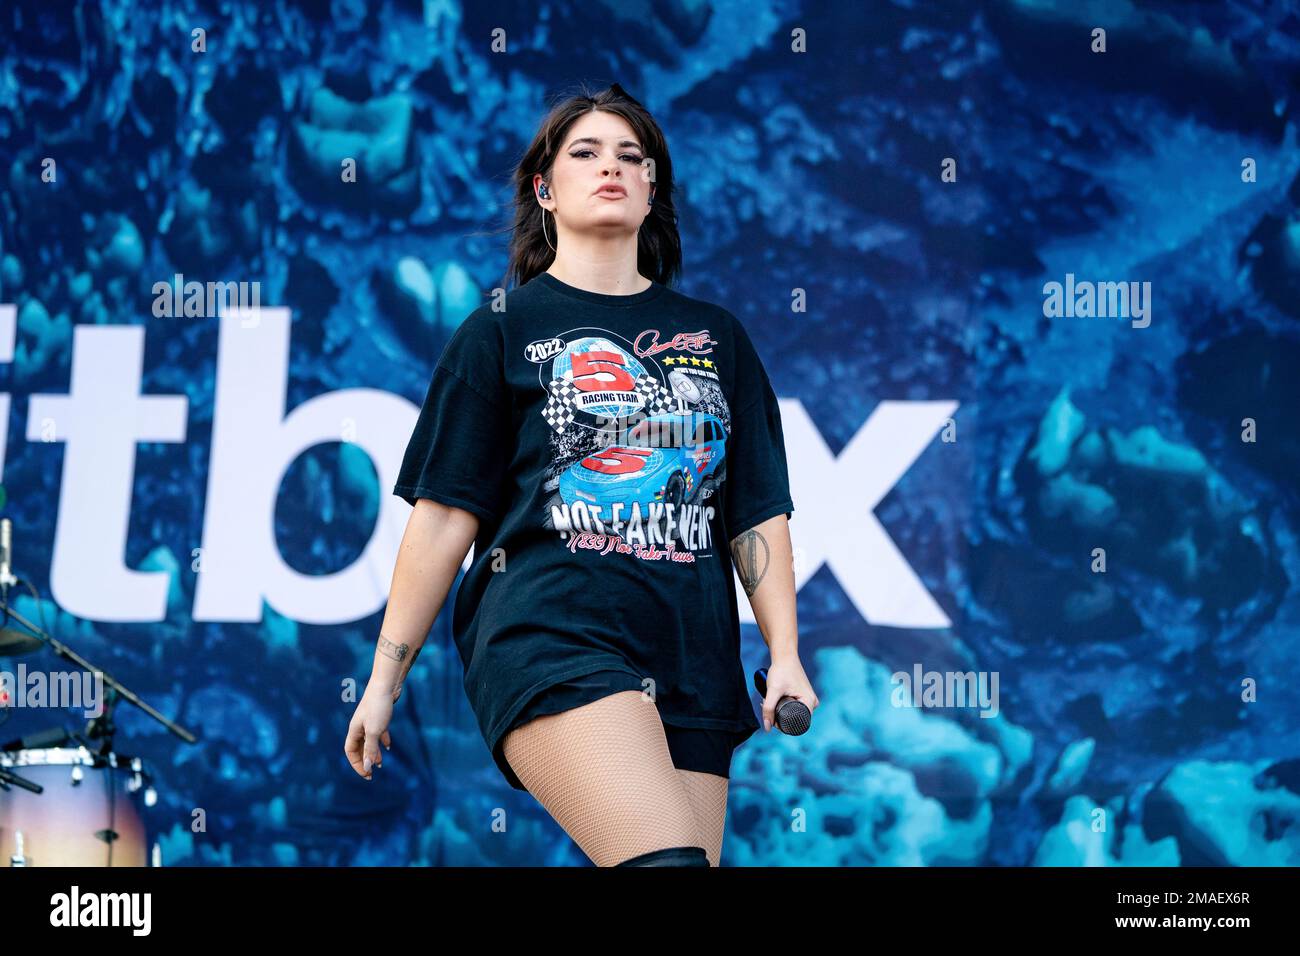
679	459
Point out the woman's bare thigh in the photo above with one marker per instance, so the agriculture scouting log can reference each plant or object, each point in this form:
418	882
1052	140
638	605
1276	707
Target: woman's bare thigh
604	773
708	796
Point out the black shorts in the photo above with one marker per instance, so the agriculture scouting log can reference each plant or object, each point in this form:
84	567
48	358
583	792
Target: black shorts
691	748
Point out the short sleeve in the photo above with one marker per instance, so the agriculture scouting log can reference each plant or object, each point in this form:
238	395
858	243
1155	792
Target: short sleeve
757	486
459	452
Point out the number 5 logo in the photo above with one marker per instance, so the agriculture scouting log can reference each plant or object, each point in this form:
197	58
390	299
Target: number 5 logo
593	371
617	461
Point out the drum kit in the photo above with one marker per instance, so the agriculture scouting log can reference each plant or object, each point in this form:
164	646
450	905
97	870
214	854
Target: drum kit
70	798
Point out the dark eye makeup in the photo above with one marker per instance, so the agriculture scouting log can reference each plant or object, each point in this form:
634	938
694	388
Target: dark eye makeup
577	154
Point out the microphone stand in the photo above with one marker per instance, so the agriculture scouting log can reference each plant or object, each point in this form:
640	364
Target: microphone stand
112	683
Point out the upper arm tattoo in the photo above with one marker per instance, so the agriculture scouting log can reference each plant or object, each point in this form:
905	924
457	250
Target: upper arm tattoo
750	554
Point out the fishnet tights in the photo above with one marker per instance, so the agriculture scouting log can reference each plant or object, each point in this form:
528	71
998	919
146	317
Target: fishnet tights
604	773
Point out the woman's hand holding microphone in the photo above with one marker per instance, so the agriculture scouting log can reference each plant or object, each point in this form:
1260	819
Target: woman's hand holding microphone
788	697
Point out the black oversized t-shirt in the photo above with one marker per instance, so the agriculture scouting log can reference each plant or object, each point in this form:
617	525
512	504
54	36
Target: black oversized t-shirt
611	446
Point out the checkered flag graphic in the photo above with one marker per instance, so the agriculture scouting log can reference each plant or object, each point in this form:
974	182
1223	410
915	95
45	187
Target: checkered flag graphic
658	400
559	407
558	410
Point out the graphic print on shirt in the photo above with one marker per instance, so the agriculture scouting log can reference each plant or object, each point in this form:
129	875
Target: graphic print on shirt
638	439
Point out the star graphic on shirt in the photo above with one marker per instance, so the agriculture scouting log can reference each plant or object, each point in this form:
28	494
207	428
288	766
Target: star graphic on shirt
690	360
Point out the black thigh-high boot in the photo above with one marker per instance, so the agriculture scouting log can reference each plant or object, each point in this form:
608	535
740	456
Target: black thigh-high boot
672	856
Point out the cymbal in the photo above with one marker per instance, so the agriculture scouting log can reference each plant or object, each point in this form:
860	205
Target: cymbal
14	642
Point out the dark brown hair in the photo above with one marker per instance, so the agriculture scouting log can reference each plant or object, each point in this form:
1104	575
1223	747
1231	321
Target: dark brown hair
658	247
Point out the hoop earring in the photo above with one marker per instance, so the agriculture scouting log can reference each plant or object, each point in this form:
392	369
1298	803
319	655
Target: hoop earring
544	235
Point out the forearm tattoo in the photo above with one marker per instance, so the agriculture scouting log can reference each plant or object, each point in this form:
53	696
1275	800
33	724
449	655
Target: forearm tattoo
750	554
397	652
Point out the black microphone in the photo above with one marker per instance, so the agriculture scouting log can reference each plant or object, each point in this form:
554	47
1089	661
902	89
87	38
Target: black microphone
792	715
